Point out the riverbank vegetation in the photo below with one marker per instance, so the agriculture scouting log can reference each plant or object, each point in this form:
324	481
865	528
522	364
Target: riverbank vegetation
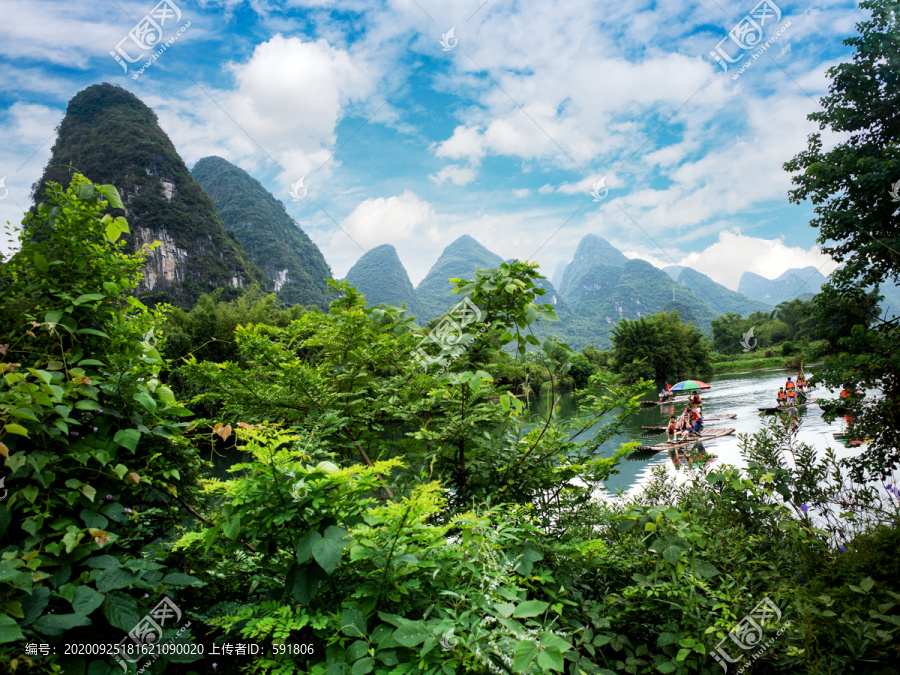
392	518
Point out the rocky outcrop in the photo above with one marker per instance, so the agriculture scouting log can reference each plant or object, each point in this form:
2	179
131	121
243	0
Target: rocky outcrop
113	137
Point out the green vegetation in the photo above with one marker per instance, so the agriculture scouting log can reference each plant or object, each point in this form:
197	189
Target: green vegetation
792	321
659	347
458	261
381	277
272	239
849	186
94	445
397	520
109	135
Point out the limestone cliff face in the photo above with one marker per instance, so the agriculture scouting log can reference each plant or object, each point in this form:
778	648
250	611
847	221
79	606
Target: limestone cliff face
112	137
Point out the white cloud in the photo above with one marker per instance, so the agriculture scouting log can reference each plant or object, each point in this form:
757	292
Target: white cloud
734	253
458	175
465	143
401	220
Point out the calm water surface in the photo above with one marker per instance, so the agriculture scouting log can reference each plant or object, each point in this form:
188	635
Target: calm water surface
738	393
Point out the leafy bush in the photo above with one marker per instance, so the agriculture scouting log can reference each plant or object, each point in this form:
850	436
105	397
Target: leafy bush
92	440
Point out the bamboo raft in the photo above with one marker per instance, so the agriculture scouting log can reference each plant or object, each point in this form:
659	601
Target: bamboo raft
677	399
783	408
710	418
671	400
705	435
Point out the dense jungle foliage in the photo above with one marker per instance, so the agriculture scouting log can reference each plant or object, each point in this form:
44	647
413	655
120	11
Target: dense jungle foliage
386	518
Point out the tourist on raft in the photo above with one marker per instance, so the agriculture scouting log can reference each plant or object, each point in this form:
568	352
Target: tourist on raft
782	397
696	419
672	428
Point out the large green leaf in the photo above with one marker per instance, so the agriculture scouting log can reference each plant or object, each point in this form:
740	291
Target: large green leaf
363	666
33	605
145	400
530	608
181	579
114	577
525	651
551	659
121	611
85	600
305	545
9	629
672	553
411	634
353	623
111	194
304	585
127	438
88	297
57	624
327	553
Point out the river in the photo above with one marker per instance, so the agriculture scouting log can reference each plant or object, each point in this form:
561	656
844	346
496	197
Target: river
738	393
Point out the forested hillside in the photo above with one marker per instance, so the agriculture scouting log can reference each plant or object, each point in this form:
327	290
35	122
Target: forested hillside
459	260
109	135
380	276
294	266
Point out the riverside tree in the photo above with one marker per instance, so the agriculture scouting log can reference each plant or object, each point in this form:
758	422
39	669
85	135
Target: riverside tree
850	186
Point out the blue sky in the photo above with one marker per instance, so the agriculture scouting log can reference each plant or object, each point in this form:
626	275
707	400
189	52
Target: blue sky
499	132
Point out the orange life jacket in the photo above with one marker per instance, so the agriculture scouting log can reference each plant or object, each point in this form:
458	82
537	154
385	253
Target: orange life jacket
781	395
791	393
789	386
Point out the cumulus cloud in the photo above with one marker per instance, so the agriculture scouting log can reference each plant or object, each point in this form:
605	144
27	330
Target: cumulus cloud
465	143
734	253
398	220
458	175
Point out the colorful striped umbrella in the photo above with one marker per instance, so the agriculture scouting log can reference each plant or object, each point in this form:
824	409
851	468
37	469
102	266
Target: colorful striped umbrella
690	385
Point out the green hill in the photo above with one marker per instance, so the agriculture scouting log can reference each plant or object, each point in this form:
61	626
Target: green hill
720	298
592	256
382	278
459	260
793	283
294	266
601	286
111	136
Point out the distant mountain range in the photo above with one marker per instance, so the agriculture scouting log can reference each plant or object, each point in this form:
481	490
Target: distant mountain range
591	293
218	227
793	283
